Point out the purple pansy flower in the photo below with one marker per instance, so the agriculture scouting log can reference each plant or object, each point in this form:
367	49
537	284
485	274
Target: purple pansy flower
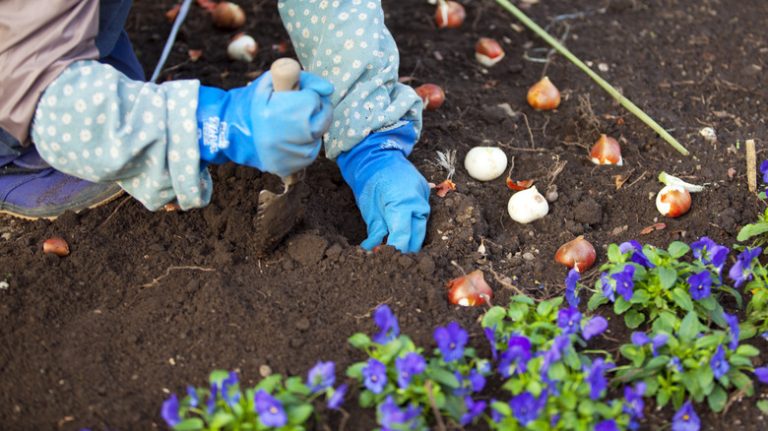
490	335
596	378
608	289
637	256
686	419
675	363
170	410
594	327
710	253
387	323
525	407
451	340
390	415
741	271
474	409
270	409
515	359
409	366
194	400
568	320
639	338
764	170
375	376
624	284
571	281
335	401
733	326
496	417
321	376
211	403
633	398
762	374
658	341
719	363
229	390
607	425
555	352
701	284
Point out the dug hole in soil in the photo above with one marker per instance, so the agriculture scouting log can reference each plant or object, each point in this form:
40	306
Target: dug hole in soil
150	302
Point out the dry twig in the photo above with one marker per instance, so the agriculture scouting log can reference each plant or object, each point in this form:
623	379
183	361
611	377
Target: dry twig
433	404
156	281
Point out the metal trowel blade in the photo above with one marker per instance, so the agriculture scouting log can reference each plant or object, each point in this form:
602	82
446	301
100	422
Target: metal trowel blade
278	213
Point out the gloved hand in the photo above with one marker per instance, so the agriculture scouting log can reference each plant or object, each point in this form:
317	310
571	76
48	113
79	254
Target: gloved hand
276	132
392	195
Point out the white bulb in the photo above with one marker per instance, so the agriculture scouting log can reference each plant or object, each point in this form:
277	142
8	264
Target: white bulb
485	163
527	205
242	48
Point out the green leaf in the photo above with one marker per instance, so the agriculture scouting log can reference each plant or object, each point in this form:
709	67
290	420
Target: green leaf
740	361
689	328
523	299
297	415
752	230
662	397
658	362
269	382
502	408
633	319
707	341
677	249
705	377
666	322
517	311
747	350
295	385
220	419
367	399
493	316
640	296
735	294
667	277
614	255
557	372
597	299
191	424
747	330
742	381
763	406
717	399
355	370
360	341
388	351
620	306
682	299
443	376
545	307
217	376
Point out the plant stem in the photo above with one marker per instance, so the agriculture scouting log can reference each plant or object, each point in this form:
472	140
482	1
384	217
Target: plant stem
631	107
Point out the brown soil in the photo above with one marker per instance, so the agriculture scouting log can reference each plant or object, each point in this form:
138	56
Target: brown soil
148	302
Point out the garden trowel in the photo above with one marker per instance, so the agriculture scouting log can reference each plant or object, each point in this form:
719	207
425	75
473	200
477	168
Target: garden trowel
279	212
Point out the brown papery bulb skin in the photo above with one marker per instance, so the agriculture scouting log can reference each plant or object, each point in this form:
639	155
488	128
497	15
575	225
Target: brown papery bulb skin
432	95
543	95
449	14
606	151
56	245
577	253
228	15
469	290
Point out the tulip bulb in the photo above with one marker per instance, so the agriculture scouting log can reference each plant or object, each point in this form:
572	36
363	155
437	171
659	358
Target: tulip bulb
469	290
449	14
606	151
432	95
56	245
485	163
242	48
488	52
578	253
543	95
673	201
228	15
527	205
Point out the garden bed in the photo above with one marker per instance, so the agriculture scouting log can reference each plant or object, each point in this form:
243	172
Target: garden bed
149	302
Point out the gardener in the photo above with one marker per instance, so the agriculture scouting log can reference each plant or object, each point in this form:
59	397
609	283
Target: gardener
72	86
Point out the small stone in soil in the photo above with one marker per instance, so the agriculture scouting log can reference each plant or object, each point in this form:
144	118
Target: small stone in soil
302	324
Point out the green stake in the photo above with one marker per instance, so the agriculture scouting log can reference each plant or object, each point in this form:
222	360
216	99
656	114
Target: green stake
631	107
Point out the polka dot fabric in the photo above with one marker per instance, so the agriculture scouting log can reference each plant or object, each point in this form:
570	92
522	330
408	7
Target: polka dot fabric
347	43
94	123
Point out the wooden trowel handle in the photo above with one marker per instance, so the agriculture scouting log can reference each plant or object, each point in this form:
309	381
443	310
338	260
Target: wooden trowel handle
285	77
285	74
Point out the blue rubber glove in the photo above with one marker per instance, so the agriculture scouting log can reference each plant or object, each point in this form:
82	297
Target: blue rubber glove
392	195
276	132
